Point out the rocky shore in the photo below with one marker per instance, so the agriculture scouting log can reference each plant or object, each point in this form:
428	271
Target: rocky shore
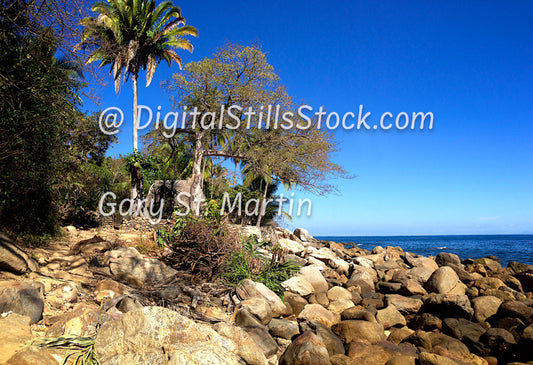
345	306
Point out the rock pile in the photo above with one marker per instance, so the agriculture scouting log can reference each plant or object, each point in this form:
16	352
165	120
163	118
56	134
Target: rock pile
345	306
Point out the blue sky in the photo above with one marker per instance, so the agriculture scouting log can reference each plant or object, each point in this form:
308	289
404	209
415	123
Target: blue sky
469	63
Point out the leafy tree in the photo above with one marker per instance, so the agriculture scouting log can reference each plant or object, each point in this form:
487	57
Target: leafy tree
134	36
241	76
39	107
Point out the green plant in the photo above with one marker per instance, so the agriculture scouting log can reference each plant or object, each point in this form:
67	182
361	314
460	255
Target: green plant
249	263
83	348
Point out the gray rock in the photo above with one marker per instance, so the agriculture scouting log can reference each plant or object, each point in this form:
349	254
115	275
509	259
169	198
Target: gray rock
129	260
244	318
24	298
460	327
303	235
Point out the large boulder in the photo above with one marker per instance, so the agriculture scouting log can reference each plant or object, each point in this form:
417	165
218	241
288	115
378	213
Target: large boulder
406	305
24	298
445	281
291	246
446	258
13	259
258	307
306	349
315	278
283	328
390	317
485	307
129	260
329	339
317	312
303	235
249	289
356	329
14	335
246	347
448	305
362	352
157	336
298	285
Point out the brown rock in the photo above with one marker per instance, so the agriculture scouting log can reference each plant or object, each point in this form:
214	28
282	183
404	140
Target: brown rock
24	298
445	281
32	356
379	353
485	307
406	305
319	313
306	349
15	333
357	329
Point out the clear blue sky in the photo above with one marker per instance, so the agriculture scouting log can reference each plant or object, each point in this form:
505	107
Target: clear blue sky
469	63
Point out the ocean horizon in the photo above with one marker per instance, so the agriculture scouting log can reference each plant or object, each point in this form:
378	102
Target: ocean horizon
506	247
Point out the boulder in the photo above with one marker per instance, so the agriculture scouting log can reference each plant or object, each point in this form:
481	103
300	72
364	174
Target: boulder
315	278
291	246
338	292
448	343
24	298
303	235
129	260
306	349
390	317
379	353
333	344
107	289
516	309
32	356
485	307
13	259
489	264
263	340
14	335
248	289
244	318
411	287
460	327
526	279
317	312
246	347
446	258
426	322
340	305
155	335
82	320
445	281
448	305
406	305
426	358
498	340
296	302
258	307
297	284
283	328
356	329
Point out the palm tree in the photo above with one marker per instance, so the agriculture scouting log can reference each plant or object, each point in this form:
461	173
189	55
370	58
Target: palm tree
134	36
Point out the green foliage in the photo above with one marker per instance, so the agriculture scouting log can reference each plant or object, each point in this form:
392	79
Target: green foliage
248	263
39	108
82	347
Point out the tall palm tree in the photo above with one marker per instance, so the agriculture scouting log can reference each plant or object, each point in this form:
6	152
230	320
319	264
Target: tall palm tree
134	36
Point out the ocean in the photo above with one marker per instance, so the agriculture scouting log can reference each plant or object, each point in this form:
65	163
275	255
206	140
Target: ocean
505	247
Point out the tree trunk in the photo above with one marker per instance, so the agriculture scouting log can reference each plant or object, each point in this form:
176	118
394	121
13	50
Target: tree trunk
196	184
235	174
261	207
135	172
